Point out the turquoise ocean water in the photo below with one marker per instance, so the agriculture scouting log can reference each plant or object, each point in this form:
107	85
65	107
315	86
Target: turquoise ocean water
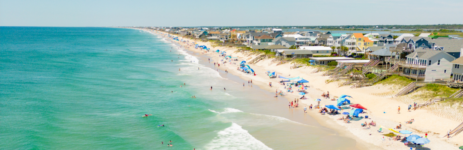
88	88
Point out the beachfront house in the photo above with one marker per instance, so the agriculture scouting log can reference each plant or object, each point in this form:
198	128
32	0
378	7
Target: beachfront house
350	43
323	39
385	40
285	41
213	35
457	70
405	35
451	46
427	65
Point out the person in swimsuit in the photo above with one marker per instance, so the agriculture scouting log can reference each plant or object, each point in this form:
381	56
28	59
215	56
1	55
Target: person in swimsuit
211	88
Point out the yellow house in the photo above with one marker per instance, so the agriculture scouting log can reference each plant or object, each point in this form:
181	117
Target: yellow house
234	34
367	43
359	42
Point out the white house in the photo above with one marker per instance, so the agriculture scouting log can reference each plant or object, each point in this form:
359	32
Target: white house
428	65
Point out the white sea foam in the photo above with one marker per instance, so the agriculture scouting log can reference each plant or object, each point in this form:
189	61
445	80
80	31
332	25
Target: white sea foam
278	119
235	138
226	111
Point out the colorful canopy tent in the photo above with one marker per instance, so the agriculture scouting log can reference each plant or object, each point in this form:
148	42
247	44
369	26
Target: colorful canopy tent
341	101
303	81
302	87
358	106
332	107
355	112
243	62
217	51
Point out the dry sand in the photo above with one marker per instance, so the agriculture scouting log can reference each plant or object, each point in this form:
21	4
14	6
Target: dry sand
382	107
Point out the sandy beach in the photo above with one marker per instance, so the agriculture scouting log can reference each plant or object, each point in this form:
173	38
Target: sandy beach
381	109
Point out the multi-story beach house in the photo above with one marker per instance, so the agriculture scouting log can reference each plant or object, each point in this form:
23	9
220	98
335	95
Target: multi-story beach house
213	35
350	43
285	41
457	70
385	40
451	46
427	65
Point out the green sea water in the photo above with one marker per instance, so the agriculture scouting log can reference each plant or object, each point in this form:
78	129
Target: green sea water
88	88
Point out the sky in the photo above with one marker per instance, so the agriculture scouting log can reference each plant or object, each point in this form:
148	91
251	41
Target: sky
228	13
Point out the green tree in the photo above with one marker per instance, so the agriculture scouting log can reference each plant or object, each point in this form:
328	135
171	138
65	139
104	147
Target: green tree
293	47
395	37
333	48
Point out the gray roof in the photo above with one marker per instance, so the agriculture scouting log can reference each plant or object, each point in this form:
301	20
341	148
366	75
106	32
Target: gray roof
275	47
424	54
375	48
450	45
383	52
258	46
291	39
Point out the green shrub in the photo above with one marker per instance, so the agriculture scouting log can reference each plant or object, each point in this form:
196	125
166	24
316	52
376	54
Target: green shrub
370	75
333	63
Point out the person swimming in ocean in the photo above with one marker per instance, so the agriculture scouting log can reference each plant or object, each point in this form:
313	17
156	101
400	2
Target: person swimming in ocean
211	88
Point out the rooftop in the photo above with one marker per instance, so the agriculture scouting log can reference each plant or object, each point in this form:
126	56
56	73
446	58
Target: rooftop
331	58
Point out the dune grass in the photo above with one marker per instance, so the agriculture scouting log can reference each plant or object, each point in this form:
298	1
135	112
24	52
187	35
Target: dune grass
396	80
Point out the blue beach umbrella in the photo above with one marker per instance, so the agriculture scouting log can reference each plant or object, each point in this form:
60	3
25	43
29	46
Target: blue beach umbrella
303	81
355	112
343	96
405	132
301	93
318	100
332	107
345	113
412	138
421	141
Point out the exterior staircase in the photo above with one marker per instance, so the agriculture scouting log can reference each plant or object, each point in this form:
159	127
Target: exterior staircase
457	94
257	59
457	130
393	68
375	63
407	89
348	68
368	63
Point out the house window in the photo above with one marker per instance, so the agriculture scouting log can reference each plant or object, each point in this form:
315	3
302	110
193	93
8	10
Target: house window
429	62
445	71
438	62
457	66
360	39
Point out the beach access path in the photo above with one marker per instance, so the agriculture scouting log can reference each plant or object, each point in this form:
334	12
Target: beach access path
382	110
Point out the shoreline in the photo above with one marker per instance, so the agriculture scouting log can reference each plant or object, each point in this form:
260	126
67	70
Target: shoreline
365	138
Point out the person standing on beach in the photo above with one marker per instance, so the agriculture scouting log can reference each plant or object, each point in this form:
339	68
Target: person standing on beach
409	108
224	89
178	69
398	110
305	109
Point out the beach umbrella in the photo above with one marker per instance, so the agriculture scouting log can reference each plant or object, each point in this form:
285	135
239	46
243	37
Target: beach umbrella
358	106
461	147
405	132
301	93
318	100
393	130
345	113
332	107
421	141
355	112
412	138
303	81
